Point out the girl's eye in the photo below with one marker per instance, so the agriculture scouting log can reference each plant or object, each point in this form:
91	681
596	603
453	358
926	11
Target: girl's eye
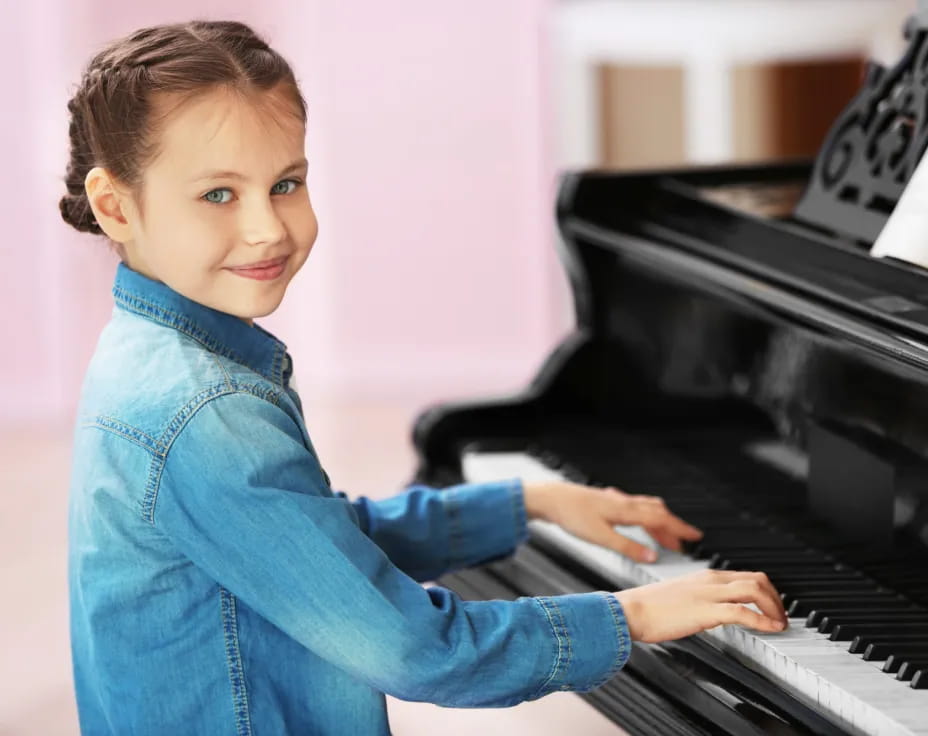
215	196
216	200
285	181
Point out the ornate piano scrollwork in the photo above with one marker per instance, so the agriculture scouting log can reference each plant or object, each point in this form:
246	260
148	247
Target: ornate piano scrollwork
872	148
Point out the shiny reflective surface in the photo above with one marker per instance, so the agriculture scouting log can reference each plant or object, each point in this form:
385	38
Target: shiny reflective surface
694	320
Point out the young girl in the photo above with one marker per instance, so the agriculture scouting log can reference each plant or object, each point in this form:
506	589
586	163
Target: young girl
217	583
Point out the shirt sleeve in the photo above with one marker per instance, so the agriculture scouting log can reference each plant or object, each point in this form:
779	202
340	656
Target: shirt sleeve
244	499
427	532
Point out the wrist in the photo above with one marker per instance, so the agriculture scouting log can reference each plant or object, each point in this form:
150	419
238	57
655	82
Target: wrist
632	608
536	500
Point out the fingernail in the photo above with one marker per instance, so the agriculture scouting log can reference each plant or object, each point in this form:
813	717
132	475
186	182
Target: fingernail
649	556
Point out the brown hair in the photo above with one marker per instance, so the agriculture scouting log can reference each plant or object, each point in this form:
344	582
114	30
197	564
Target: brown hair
113	121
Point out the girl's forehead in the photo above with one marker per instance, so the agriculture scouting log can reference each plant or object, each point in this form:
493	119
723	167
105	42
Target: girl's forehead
221	128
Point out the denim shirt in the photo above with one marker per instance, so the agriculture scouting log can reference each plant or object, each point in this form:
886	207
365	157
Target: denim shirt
218	585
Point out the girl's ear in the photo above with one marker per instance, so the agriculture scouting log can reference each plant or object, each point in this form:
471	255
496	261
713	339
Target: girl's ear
106	201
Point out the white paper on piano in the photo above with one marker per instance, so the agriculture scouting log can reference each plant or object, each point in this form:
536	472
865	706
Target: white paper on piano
905	234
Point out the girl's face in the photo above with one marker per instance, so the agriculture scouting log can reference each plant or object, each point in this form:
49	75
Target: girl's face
227	191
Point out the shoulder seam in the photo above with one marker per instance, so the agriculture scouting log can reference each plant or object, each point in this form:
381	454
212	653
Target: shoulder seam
180	422
222	368
127	432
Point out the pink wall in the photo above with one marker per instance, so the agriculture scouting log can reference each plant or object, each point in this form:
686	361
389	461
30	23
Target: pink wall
430	170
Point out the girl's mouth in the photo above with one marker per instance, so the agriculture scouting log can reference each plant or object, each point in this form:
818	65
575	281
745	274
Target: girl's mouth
263	271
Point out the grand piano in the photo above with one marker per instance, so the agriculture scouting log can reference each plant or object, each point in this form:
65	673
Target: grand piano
739	352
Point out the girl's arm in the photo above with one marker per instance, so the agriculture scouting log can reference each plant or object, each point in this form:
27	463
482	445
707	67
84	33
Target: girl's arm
427	533
241	497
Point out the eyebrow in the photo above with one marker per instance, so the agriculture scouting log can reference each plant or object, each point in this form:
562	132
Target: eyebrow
218	174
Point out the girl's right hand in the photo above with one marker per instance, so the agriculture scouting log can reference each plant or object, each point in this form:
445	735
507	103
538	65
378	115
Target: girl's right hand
692	603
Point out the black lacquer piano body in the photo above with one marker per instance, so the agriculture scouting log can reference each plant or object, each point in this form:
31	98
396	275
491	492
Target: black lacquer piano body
739	352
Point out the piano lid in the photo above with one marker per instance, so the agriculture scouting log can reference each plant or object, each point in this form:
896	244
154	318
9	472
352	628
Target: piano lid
706	285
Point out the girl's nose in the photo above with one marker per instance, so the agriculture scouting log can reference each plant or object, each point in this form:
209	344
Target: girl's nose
261	224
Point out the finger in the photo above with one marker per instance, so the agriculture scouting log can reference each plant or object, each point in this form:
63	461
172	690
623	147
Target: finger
614	490
676	526
669	541
758	590
624	546
730	576
735	613
725	576
656	516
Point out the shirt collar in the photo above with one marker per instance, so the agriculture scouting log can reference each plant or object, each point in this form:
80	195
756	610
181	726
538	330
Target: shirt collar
219	332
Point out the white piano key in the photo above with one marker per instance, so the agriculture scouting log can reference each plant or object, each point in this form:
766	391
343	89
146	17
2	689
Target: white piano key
816	670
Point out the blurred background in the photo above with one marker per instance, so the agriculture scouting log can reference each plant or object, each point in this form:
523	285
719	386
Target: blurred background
436	134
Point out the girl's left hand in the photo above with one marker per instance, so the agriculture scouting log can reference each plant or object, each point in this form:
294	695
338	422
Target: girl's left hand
591	513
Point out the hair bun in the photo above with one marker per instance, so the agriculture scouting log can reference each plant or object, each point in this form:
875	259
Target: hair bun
76	211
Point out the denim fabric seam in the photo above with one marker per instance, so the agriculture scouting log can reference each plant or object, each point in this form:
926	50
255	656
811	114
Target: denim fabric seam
234	663
126	431
176	426
176	321
222	368
278	365
555	668
560	615
170	434
624	640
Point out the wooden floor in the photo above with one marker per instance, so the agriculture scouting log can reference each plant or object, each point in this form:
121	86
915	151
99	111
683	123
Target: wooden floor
366	451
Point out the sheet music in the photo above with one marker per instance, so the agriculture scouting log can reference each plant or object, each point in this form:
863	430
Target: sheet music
905	234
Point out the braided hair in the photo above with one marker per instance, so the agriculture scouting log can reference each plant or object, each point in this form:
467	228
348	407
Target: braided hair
113	122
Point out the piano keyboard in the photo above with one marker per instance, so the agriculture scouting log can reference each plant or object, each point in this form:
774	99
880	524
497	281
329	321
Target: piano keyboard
852	689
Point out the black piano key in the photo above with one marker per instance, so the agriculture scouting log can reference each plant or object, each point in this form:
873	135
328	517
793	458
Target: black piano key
789	594
799	585
897	658
920	680
823	573
910	667
814	618
805	605
688	547
741	538
710	548
787	557
771	567
818	569
898	571
828	573
771	543
881	652
889	619
860	643
748	515
846	632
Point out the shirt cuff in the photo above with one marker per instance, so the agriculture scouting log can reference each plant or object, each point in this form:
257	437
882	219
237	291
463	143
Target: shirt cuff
486	521
592	638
